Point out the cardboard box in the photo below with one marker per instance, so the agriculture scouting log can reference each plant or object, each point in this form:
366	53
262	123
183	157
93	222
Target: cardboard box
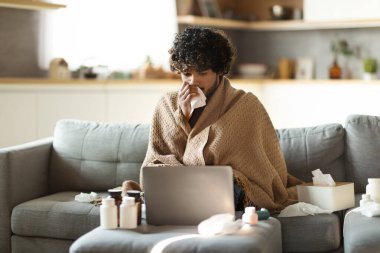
332	198
330	10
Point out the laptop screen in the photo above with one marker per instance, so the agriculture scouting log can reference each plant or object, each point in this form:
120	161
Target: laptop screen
187	195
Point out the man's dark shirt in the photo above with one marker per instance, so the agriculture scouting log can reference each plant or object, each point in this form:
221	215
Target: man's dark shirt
238	190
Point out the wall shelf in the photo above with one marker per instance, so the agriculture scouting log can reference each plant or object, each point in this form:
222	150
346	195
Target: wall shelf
286	25
30	4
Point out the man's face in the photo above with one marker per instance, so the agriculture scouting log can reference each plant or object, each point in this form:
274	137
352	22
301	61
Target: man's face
206	80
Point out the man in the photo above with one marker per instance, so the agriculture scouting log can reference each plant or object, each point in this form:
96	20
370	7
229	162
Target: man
233	127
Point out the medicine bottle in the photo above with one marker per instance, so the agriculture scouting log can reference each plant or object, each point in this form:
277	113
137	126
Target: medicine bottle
128	213
116	194
108	213
373	189
137	195
250	215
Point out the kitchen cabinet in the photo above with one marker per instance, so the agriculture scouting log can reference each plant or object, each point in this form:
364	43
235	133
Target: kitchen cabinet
260	9
30	109
68	102
18	116
265	41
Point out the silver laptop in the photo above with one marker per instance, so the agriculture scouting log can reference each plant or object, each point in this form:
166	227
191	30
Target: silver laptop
187	195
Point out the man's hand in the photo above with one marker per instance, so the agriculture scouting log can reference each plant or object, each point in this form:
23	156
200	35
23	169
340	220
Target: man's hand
185	94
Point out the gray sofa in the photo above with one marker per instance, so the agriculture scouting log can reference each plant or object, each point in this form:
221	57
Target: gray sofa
38	182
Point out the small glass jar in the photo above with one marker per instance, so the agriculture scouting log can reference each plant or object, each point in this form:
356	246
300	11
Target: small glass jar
335	72
373	189
137	195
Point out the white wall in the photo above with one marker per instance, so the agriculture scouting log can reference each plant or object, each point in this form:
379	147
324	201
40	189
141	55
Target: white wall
300	105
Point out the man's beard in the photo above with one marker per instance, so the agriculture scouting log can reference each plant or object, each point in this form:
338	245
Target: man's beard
214	86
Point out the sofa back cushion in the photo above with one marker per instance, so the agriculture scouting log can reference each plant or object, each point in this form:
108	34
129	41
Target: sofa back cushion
362	149
96	156
310	148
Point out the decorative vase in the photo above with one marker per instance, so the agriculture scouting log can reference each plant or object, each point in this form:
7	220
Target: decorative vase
347	67
369	76
335	72
370	68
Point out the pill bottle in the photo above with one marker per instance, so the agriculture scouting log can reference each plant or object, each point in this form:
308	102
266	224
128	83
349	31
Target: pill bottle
108	213
250	215
116	194
137	195
128	213
373	189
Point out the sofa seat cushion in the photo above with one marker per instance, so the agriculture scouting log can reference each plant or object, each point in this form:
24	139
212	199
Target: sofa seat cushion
361	233
263	237
317	233
54	216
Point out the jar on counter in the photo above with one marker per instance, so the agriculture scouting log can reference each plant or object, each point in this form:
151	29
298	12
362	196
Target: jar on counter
373	189
335	72
137	195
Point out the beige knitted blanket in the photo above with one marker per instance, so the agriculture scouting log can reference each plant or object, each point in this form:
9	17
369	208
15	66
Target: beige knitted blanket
234	129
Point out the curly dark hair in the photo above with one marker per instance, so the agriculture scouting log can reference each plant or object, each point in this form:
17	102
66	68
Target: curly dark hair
202	48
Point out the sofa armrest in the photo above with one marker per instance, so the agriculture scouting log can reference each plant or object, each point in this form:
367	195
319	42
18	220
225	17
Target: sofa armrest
24	171
23	176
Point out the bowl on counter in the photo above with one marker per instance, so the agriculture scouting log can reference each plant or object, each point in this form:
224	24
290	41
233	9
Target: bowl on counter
252	70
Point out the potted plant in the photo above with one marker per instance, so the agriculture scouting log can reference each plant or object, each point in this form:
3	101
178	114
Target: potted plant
341	47
369	68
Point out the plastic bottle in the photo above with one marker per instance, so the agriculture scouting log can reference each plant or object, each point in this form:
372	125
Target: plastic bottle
128	213
138	201
108	213
373	189
250	215
366	198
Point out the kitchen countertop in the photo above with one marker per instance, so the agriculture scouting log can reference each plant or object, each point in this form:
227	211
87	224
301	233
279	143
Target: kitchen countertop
46	81
82	81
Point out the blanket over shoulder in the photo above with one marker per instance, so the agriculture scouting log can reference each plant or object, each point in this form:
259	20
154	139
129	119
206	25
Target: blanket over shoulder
234	129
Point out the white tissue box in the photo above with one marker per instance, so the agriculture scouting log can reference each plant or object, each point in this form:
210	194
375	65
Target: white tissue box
334	198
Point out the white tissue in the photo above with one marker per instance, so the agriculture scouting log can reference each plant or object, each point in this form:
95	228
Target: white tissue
198	101
302	209
322	179
370	209
86	197
219	224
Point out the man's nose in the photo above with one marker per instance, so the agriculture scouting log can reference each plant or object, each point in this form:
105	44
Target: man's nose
193	80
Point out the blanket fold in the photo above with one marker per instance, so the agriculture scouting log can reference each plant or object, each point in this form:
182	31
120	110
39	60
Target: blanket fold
234	129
